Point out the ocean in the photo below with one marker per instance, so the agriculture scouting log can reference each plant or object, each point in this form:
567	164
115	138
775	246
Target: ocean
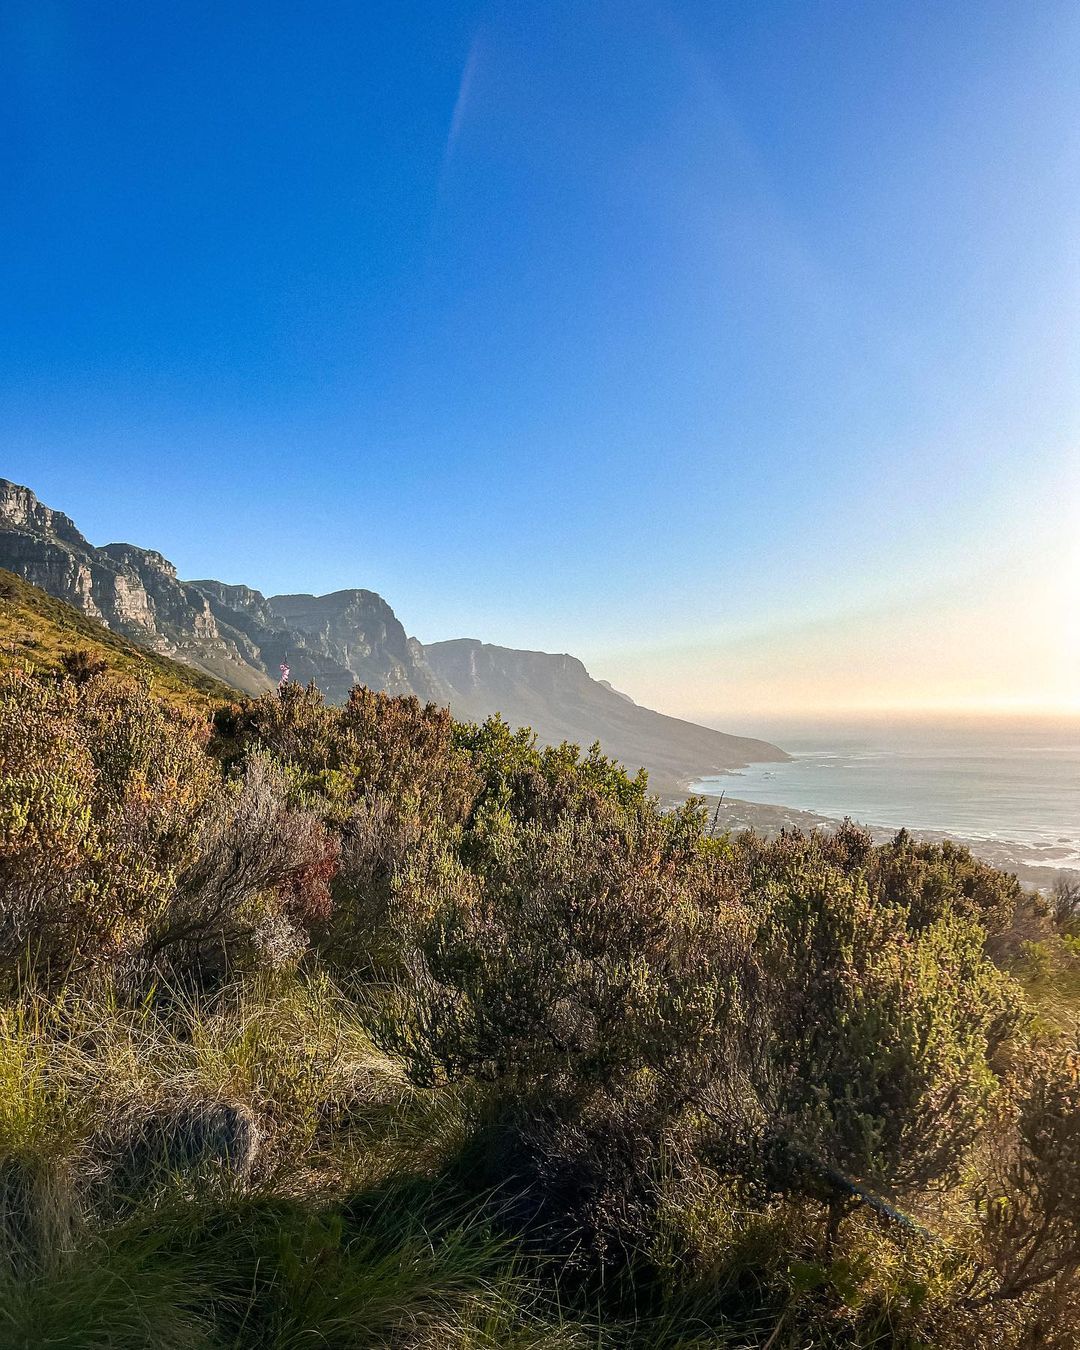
1013	784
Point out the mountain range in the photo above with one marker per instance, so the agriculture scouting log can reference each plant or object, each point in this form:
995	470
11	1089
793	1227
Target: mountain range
241	637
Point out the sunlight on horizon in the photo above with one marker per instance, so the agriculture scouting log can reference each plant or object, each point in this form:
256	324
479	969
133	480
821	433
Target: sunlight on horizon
1003	643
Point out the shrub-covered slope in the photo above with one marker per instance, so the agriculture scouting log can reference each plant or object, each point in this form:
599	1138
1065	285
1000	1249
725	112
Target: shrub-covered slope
358	1026
37	630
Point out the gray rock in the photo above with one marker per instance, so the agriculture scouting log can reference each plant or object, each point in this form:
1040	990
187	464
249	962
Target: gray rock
189	1139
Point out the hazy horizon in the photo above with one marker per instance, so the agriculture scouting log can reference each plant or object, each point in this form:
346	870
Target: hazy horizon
801	723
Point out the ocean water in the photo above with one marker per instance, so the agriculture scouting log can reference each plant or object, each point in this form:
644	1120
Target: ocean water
1002	782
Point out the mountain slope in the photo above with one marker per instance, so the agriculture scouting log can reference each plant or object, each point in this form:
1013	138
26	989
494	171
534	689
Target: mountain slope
134	591
235	634
272	644
232	633
556	696
36	630
361	631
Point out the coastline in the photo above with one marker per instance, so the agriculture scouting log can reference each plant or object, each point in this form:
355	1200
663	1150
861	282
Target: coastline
735	815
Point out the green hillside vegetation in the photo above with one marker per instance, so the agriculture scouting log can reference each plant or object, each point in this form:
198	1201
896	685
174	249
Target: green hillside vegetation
37	631
361	1027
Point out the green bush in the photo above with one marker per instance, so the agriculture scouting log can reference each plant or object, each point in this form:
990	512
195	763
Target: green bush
1029	1205
880	1036
627	987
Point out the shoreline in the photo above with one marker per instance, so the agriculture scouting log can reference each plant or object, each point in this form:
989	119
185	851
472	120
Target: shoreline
735	815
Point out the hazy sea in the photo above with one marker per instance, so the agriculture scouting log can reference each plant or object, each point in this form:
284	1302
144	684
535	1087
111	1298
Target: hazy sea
1013	784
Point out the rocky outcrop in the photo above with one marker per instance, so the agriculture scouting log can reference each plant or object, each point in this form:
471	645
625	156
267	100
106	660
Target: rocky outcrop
44	546
134	591
245	606
232	632
247	613
21	510
360	630
171	607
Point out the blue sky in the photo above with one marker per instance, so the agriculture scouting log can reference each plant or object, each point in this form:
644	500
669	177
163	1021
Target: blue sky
732	346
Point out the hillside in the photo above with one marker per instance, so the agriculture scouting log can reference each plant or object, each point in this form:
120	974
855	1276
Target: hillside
236	635
36	630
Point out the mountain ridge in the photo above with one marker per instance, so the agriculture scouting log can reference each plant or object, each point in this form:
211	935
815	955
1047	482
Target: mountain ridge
525	684
235	634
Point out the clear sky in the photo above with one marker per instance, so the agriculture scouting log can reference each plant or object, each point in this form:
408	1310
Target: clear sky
733	346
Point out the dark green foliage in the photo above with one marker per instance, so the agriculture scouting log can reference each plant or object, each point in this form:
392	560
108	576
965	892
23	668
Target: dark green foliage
1065	905
80	665
928	879
1030	1207
571	954
757	1007
923	881
540	784
882	1031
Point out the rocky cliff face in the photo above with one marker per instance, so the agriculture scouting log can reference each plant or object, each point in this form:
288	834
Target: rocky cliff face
556	696
232	632
45	547
21	510
273	643
361	631
134	591
349	637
